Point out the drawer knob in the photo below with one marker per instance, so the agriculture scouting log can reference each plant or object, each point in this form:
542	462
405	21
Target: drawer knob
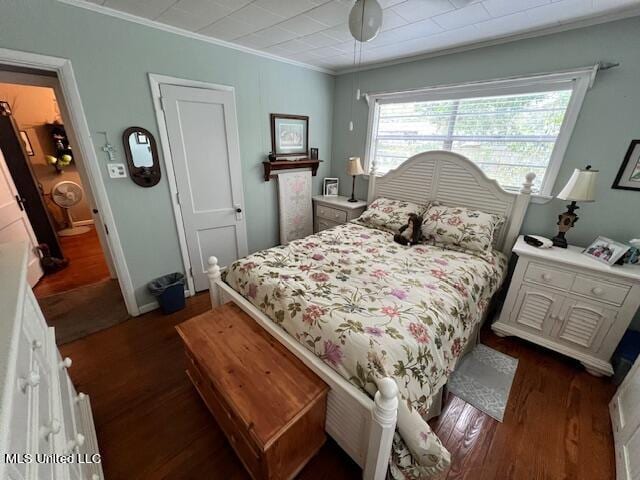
81	396
32	380
52	428
597	290
546	277
66	363
36	345
77	442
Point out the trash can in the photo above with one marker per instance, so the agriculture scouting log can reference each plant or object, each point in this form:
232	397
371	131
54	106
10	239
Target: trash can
169	290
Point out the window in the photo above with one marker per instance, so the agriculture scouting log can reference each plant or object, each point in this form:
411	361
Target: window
508	128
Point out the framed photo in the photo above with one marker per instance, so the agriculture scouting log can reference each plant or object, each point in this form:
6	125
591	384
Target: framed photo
314	154
330	187
628	177
289	134
27	143
606	250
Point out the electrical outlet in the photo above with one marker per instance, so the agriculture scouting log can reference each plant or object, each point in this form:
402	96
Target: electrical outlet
117	170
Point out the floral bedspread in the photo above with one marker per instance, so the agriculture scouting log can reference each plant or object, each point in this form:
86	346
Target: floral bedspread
369	308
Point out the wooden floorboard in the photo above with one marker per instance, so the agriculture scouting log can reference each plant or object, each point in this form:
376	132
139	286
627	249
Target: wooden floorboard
151	423
87	265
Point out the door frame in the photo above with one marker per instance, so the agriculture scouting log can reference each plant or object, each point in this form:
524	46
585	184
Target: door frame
155	80
89	166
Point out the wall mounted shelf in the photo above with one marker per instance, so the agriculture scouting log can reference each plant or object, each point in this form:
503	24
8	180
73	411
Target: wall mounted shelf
270	167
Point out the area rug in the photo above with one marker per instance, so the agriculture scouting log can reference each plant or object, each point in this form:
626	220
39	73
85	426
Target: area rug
85	310
483	378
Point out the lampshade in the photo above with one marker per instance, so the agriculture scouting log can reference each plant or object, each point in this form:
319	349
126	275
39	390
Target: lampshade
354	167
581	187
365	20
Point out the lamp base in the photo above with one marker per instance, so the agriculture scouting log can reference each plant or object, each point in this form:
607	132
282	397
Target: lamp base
566	220
353	190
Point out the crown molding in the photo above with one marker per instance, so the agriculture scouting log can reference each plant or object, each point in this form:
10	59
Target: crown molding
612	17
186	33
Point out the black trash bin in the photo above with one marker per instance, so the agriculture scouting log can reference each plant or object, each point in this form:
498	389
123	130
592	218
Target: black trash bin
169	290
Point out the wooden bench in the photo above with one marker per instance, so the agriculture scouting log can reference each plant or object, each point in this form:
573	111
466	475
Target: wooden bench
270	406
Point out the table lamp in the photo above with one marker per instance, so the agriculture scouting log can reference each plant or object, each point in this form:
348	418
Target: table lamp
354	168
580	188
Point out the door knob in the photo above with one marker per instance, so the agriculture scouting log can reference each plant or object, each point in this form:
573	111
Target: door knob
238	210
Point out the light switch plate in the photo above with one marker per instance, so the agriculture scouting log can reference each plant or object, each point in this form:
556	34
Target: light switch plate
117	170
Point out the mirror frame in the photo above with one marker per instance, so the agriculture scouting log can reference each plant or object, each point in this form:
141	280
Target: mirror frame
142	176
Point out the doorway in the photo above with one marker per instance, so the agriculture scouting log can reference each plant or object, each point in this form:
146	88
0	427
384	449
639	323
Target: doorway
76	285
199	132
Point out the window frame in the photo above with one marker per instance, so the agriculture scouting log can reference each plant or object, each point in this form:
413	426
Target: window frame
579	81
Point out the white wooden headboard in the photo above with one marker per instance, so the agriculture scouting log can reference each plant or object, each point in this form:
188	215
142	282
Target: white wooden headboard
454	180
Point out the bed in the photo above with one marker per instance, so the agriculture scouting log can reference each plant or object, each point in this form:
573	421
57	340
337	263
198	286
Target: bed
382	324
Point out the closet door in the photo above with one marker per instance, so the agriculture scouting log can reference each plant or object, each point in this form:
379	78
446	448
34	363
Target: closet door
625	418
14	223
203	137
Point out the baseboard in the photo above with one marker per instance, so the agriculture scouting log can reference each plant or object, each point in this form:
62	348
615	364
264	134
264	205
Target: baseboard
82	223
149	307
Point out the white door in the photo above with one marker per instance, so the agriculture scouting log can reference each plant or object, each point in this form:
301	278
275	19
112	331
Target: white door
203	137
625	418
14	223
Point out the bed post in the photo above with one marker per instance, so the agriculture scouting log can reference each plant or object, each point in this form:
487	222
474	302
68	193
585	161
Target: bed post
213	272
517	214
372	182
383	425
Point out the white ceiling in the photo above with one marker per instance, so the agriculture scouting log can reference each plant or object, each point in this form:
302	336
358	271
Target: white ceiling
315	32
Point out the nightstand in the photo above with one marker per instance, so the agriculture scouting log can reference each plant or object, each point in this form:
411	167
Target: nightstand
329	211
570	303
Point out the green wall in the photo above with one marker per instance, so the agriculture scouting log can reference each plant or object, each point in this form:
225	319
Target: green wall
111	59
609	119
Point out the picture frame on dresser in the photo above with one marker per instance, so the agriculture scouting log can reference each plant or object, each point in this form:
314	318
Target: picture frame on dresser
606	250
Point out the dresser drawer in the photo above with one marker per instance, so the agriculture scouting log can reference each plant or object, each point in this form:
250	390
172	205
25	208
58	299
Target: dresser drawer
549	276
332	214
600	290
230	424
324	225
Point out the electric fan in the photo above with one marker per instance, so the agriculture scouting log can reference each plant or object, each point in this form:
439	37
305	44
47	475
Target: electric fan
66	194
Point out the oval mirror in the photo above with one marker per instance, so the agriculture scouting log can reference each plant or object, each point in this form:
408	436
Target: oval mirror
142	156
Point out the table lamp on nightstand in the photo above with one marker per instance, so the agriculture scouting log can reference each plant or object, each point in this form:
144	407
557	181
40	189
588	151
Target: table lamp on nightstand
581	187
354	168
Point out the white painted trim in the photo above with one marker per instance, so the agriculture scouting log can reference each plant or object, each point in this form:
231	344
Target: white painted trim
71	97
589	22
82	223
577	79
155	80
186	33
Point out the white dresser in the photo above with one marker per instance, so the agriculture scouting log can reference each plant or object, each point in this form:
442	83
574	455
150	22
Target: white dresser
46	428
329	211
570	303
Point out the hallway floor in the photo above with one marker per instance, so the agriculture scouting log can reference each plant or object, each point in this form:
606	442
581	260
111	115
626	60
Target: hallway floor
87	266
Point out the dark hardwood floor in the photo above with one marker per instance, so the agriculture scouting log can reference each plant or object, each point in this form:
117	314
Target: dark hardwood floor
151	422
87	265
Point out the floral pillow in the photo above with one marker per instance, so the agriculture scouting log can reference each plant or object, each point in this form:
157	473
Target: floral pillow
387	214
460	228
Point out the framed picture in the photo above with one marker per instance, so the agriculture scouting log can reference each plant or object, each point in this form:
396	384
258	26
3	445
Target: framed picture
628	177
289	134
314	154
27	143
330	187
606	250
